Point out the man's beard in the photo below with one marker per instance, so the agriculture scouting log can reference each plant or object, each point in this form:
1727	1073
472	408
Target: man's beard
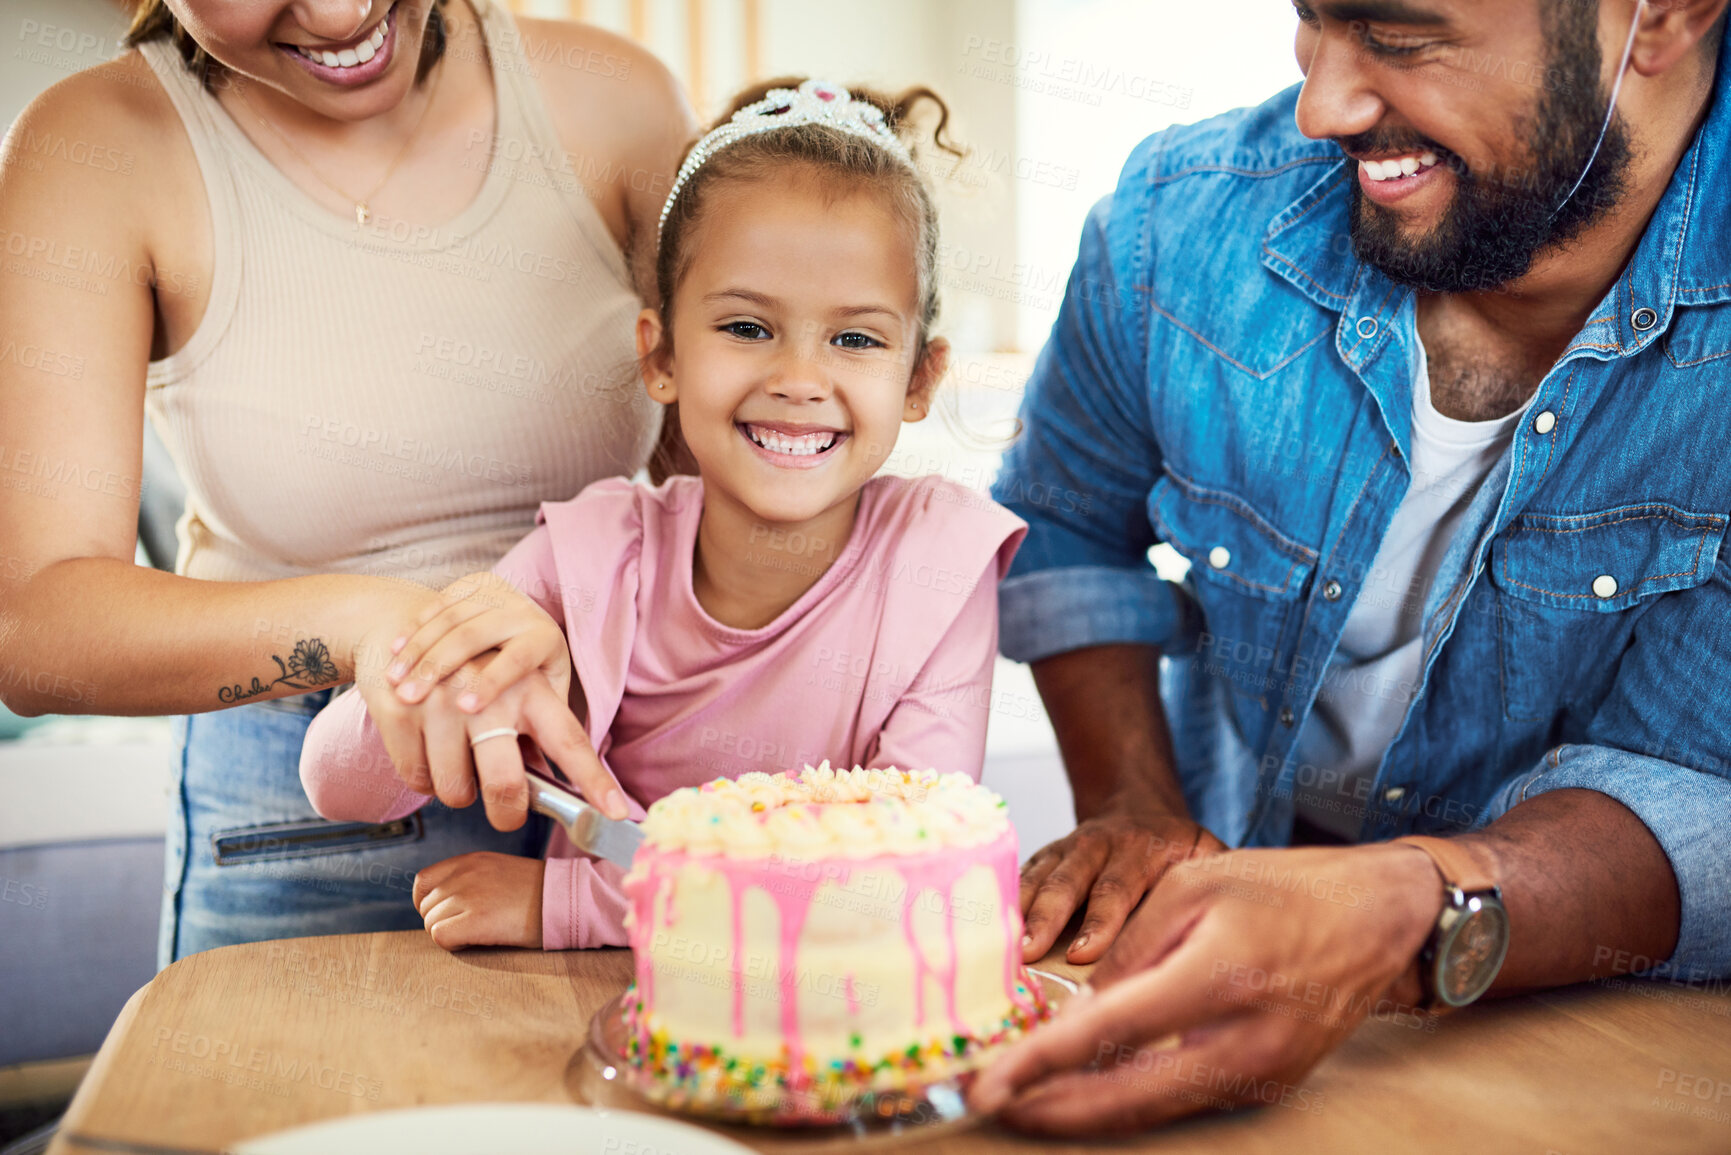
1499	221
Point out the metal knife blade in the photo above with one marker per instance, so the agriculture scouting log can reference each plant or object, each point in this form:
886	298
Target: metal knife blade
615	839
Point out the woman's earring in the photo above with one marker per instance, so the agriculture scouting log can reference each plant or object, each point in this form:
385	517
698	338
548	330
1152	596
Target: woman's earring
661	384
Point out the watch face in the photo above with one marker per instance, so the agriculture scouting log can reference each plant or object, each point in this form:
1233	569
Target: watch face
1468	961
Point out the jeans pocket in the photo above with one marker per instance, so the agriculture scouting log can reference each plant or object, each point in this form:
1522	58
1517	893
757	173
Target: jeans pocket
279	840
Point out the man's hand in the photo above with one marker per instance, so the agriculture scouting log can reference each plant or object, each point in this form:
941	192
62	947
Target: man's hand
482	899
1133	824
1259	962
1107	863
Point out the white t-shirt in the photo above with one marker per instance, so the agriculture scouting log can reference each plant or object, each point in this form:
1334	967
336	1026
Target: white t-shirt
1375	669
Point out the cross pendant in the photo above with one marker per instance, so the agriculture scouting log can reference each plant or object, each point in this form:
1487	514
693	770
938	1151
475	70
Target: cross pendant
362	213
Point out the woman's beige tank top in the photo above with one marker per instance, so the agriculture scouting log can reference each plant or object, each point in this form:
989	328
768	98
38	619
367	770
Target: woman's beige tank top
389	398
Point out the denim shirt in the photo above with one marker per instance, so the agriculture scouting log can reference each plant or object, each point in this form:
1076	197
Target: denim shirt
1226	378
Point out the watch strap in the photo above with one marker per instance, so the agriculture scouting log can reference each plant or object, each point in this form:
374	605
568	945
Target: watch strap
1459	866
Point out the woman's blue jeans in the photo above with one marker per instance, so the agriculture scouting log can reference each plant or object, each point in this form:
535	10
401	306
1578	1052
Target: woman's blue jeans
249	859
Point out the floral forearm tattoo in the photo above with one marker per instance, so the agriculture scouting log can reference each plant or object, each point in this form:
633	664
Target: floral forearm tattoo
308	668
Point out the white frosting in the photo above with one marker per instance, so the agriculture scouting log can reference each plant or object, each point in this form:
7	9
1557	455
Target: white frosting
827	813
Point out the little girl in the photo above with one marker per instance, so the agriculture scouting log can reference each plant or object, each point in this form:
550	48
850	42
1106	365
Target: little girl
786	606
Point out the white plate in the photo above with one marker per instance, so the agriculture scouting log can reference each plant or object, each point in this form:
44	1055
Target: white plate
490	1128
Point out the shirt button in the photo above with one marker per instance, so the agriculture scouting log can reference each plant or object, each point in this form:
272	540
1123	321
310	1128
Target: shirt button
1286	715
1367	327
1394	794
1604	586
1544	422
1643	319
1219	557
1331	590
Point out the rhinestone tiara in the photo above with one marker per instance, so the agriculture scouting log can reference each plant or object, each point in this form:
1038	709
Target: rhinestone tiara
813	102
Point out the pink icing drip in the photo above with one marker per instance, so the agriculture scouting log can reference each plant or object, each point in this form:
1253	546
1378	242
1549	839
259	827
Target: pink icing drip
852	996
938	873
1009	900
736	887
919	961
792	922
642	931
792	903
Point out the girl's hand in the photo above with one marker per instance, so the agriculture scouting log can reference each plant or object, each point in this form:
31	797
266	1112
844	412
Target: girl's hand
482	899
469	617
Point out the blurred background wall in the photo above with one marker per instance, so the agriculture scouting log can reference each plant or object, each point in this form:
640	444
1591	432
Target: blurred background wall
1050	95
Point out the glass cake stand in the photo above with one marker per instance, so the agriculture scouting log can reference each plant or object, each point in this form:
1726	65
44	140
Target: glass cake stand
601	1077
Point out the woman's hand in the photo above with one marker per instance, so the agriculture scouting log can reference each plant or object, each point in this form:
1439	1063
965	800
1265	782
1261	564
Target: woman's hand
533	709
469	617
1237	974
439	748
482	899
1106	864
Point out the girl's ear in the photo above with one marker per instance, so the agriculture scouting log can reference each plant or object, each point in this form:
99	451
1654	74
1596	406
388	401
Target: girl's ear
934	363
652	362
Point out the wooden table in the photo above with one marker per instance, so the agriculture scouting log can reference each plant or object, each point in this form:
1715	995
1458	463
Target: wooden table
250	1039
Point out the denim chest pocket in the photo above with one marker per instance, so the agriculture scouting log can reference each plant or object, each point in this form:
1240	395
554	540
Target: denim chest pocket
1250	580
1251	324
1574	586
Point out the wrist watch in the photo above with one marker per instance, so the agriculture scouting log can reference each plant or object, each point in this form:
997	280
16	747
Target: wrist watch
1467	946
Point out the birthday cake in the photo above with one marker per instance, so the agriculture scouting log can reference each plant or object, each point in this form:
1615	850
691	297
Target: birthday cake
805	942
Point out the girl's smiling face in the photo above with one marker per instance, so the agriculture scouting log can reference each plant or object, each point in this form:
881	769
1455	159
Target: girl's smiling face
796	351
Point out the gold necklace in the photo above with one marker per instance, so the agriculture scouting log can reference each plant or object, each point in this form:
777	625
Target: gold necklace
362	213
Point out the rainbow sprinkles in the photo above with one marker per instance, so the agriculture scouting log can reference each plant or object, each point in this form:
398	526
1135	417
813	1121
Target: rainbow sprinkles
803	941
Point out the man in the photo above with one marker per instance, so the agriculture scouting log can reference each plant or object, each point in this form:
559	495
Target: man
1440	426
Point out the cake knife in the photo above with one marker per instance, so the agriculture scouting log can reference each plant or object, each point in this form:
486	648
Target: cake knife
615	839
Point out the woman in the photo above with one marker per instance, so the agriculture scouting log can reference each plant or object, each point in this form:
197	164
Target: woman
363	263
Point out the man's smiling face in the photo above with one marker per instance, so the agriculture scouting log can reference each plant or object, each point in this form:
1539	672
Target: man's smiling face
1471	121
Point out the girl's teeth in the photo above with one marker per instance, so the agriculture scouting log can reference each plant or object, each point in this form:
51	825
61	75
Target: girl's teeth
347	59
802	446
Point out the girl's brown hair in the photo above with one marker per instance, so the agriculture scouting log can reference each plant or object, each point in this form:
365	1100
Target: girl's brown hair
836	156
151	20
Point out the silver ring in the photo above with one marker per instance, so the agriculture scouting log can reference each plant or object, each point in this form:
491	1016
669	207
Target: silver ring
498	732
